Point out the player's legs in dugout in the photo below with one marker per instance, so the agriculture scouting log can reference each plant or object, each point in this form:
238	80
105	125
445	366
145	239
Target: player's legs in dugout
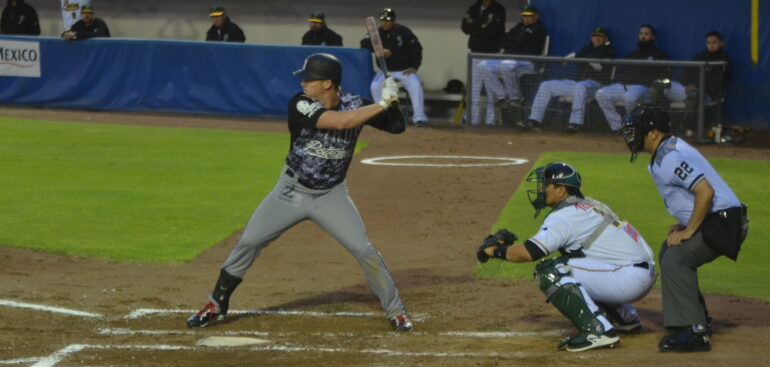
338	216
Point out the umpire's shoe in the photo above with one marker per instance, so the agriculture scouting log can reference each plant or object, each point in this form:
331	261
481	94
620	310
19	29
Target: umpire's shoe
210	311
590	341
402	322
691	339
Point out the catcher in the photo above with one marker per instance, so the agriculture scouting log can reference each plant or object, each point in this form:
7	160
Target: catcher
605	264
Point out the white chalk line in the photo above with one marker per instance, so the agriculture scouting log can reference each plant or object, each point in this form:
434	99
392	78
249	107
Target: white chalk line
394	353
59	355
20	360
505	334
463	334
31	306
506	161
150	311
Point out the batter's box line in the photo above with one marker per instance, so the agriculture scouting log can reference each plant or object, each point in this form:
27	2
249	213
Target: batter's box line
460	334
141	312
60	355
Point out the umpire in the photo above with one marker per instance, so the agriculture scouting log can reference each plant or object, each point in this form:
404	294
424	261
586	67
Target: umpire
711	222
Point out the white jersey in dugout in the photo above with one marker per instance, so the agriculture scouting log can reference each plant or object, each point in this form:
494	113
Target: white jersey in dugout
569	227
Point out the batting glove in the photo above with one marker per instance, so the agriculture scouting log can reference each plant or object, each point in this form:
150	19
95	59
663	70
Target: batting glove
389	93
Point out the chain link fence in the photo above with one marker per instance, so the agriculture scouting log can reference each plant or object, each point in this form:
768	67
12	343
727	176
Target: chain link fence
578	94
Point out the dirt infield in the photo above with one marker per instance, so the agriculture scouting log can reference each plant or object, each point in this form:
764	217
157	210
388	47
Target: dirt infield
308	296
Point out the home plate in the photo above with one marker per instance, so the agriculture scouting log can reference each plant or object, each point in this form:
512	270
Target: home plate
229	341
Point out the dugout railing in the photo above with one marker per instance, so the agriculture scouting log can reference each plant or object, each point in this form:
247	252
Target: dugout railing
691	91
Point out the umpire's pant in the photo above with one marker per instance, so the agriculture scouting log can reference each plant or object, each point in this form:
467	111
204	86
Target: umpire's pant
682	303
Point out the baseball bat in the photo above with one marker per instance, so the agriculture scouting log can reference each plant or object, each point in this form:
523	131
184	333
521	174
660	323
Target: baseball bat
379	51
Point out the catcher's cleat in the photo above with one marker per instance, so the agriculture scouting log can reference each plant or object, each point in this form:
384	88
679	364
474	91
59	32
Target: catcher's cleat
691	339
584	342
402	322
205	315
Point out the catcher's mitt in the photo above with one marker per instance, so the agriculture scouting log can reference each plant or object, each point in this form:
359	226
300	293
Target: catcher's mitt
502	238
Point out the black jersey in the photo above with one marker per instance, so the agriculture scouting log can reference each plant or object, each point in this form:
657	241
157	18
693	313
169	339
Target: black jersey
321	157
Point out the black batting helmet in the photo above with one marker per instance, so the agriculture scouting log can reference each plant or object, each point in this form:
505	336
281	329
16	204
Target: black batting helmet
639	122
388	14
321	66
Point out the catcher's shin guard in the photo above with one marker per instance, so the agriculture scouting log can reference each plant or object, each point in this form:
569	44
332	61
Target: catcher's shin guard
567	298
225	286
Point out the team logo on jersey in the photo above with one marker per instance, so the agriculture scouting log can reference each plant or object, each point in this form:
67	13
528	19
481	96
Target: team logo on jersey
317	149
308	109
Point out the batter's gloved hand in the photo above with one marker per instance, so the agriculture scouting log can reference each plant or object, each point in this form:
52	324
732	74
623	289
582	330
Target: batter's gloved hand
501	240
389	93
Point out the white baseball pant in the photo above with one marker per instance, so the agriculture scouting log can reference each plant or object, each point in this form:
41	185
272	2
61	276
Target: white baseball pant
578	91
486	74
614	285
629	94
413	87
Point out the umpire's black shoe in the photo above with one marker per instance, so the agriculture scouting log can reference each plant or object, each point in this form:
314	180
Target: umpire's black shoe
691	339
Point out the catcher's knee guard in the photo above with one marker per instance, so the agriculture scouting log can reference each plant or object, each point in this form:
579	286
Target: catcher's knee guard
567	298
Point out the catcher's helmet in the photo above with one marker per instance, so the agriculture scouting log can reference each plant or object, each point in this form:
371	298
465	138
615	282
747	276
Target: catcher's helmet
556	173
639	122
321	66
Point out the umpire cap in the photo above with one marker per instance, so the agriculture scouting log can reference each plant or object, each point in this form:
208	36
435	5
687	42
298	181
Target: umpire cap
321	66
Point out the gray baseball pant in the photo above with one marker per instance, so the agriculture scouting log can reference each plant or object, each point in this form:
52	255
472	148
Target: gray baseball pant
333	210
682	304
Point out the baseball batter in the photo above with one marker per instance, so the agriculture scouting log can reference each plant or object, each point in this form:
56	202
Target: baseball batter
605	263
325	122
710	222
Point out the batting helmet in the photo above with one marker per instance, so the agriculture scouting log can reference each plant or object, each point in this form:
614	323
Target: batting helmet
556	173
639	122
388	14
321	66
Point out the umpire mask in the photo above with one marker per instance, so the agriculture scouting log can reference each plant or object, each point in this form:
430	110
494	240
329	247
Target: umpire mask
639	122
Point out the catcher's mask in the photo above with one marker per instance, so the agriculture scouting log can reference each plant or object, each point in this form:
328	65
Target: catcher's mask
639	122
556	173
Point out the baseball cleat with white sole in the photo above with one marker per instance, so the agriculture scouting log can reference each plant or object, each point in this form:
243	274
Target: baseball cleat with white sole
585	342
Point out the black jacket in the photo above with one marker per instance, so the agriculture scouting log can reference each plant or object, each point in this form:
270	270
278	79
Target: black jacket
19	19
716	76
97	29
643	74
403	44
230	32
324	37
587	71
525	40
485	28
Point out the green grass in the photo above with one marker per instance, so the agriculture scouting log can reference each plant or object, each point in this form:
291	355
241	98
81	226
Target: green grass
629	190
130	193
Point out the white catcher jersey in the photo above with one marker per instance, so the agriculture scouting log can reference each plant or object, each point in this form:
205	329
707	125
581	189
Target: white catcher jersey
569	227
676	168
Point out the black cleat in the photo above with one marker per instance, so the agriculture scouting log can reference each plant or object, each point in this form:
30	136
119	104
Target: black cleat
691	339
